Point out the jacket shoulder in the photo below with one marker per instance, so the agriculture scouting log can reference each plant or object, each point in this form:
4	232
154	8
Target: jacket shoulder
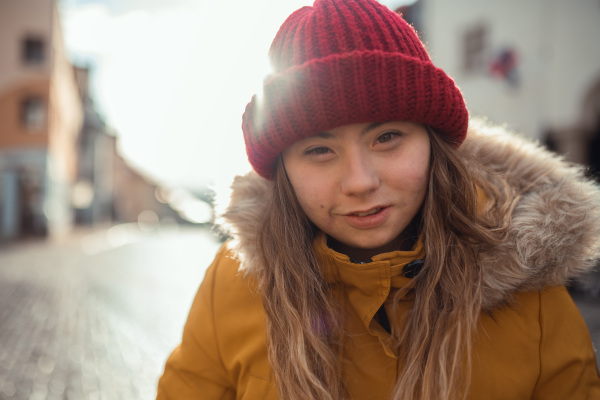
539	342
568	361
239	317
231	285
223	340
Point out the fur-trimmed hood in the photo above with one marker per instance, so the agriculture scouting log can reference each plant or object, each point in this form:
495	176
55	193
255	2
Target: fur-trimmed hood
554	234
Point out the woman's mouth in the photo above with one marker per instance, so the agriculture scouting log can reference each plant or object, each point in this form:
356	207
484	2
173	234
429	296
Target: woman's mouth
368	219
369	212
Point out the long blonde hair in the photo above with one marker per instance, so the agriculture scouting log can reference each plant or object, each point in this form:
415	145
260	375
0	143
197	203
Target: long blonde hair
434	342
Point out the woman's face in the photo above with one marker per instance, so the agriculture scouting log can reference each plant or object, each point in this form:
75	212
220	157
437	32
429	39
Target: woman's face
361	184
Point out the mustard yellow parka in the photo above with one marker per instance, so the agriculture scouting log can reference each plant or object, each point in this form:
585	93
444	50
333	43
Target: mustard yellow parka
531	341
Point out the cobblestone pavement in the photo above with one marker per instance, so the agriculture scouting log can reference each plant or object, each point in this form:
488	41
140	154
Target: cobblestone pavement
96	316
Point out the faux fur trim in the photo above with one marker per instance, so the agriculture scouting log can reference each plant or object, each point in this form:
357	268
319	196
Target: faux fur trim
554	235
555	230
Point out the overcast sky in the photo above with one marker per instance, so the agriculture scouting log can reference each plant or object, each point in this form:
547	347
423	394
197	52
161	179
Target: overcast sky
173	77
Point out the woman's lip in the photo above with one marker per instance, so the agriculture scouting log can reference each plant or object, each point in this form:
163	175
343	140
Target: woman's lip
368	221
368	210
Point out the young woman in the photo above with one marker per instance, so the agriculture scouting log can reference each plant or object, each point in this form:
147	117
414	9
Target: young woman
386	247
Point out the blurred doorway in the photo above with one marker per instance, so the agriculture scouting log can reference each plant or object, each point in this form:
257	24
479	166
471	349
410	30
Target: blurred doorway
591	115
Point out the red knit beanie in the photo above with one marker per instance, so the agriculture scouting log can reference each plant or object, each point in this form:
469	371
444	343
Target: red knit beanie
341	62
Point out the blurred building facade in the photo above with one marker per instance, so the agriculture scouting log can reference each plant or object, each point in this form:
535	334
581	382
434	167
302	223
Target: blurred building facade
59	160
107	188
93	193
40	118
534	65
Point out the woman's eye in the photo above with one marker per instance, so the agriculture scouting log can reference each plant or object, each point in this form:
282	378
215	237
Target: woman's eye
386	137
317	151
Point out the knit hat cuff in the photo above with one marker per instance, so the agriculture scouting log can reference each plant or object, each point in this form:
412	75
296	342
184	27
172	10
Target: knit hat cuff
341	89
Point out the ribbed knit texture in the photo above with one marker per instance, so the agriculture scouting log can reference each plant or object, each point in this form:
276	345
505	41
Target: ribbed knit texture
341	62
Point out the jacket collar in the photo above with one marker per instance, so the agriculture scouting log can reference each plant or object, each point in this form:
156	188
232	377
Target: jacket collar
554	234
394	268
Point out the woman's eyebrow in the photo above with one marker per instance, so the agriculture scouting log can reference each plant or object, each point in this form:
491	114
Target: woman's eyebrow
325	135
372	126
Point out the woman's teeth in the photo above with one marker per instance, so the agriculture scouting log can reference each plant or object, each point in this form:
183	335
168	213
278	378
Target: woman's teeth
364	214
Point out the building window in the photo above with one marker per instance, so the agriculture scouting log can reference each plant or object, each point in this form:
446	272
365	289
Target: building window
474	49
33	113
33	51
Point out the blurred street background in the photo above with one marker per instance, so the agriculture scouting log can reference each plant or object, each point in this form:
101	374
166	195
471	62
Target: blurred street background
95	315
120	131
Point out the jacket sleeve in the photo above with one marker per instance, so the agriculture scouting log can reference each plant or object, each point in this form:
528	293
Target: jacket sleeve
567	359
194	370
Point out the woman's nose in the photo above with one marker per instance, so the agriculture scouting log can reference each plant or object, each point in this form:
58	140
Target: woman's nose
358	176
